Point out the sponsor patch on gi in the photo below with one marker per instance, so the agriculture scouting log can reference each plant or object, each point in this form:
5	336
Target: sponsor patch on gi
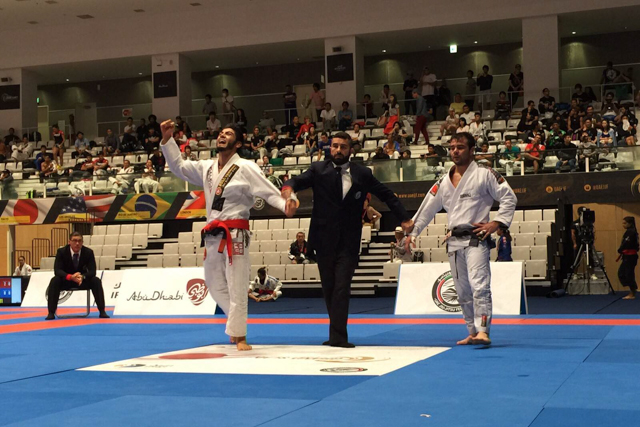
434	189
238	248
495	174
358	194
218	191
484	322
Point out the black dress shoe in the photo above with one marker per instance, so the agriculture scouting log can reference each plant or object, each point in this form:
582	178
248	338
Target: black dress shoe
343	345
104	315
50	317
326	343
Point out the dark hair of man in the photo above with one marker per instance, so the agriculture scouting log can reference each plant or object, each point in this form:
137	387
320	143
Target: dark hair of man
207	96
386	87
578	86
466	137
343	135
237	130
316	86
75	234
80	133
299	233
485	66
152	116
324	134
262	271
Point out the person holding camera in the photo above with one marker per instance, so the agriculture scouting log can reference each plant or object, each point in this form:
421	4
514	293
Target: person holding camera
628	251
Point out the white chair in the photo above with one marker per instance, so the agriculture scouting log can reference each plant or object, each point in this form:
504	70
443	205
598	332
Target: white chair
366	234
290	161
188	260
170	261
186	248
155	230
199	260
533	215
529	227
441	218
535	269
140	241
291	223
305	223
271	258
370	146
113	229
86	240
99	230
254	247
518	216
263	235
294	272
141	229
291	234
256	258
127	229
498	125
197	226
539	253
275	224
520	253
97	240
267	246
524	240
439	255
107	263
97	251
185	237
437	229
311	272
277	271
111	239
110	250
541	239
170	249
545	227
304	160
260	224
428	242
390	270
47	263
280	234
512	123
283	245
124	252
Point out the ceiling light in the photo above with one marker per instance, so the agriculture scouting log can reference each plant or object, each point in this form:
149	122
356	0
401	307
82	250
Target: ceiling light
85	17
573	32
475	42
139	74
256	63
384	50
67	79
217	66
453	48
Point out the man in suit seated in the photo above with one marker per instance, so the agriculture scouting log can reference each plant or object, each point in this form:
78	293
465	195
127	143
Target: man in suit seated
75	267
300	252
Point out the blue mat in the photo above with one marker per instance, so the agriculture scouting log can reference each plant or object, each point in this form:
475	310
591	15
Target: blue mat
567	417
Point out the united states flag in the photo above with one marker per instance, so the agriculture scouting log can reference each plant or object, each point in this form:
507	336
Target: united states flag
96	206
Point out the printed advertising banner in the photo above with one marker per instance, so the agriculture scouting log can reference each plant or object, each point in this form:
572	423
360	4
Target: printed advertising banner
36	295
164	291
428	289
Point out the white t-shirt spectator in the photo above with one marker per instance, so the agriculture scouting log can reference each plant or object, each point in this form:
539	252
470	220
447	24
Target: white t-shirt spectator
128	128
328	115
469	117
214	126
428	89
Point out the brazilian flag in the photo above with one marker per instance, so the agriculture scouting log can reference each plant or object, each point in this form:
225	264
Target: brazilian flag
146	206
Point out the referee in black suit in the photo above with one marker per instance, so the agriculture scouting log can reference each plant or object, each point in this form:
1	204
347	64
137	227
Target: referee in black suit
75	267
339	190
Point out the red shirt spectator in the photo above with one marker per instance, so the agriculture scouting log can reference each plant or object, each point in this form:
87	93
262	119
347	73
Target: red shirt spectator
305	127
534	149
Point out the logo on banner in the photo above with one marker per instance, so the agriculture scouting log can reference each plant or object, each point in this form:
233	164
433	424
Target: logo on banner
197	291
444	294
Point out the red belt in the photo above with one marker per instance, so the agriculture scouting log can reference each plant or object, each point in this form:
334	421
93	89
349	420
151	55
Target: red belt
264	291
226	225
629	252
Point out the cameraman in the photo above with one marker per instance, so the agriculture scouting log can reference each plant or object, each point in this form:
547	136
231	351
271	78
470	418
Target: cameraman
581	232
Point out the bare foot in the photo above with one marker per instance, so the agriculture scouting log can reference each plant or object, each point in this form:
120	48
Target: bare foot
481	338
467	341
630	296
241	344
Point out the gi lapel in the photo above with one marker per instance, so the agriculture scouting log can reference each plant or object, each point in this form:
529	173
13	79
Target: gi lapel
469	173
218	181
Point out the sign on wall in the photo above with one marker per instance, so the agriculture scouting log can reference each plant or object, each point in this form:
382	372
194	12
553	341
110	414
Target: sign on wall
165	84
10	97
340	68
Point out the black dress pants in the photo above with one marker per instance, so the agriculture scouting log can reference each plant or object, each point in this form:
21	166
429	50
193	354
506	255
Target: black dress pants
58	284
336	272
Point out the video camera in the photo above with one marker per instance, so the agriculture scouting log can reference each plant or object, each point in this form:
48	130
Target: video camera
585	226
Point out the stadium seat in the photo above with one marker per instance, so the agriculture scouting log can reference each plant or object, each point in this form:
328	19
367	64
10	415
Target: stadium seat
518	216
294	272
267	246
439	255
260	224
533	215
292	223
205	154
140	229
276	224
97	251
46	263
280	234
512	123
370	146
535	269
428	242
436	230
111	239
155	230
271	258
186	248
390	270
197	226
140	241
254	247
99	230
514	228
107	263
263	235
539	252
524	240
86	240
170	261
311	272
541	239
366	234
256	258
154	261
283	245
549	215
520	253
113	229
170	249
528	227
292	234
498	125
304	223
277	271
441	218
188	260
185	237
124	252
127	229
304	160
97	240
290	161
545	227
110	250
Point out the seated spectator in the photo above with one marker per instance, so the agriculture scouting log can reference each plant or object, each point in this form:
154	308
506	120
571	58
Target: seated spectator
380	154
267	124
188	155
40	157
311	141
556	136
209	106
100	165
300	252
370	216
589	131
22	269
451	123
142	130
148	183
122	180
398	253
305	128
328	117
467	114
158	161
153	123
324	145
609	107
529	118
462	126
534	154
180	138
81	146
22	150
623	111
567	154
265	287
272	144
393	106
11	138
84	169
345	117
581	97
241	118
587	150
457	104
183	126
626	132
536	131
75	267
292	130
112	142
400	135
266	167
247	151
574	121
6	183
606	136
367	105
129	142
152	141
357	138
509	156
257	142
47	168
213	125
592	115
503	107
591	96
547	104
484	157
392	148
477	128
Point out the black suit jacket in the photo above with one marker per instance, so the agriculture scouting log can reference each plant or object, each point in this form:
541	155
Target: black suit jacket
335	220
64	263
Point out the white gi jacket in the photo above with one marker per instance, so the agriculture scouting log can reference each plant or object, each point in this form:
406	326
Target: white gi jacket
270	284
469	203
247	183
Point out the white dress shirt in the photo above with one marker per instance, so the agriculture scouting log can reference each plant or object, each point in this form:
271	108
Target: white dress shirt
346	178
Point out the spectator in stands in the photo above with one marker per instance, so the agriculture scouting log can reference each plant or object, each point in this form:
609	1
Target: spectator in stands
485	82
470	90
428	82
609	107
266	167
623	111
410	84
484	157
574	121
626	131
504	245
75	267
305	128
370	216
587	150
457	104
129	127
209	106
241	119
529	118
292	130
467	114
510	156
589	131
34	136
112	142
257	142
228	107
462	126
591	96
265	287
450	124
357	138
400	135
7	185
213	125
299	251
503	107
22	269
148	183
592	115
246	151
328	117
188	155
81	146
311	141
267	123
324	145
380	154
290	104
534	154
516	85
183	126
477	128
345	117
11	138
122	180
547	104
556	136
606	136
22	150
581	97
83	169
272	144
58	143
40	157
536	131
423	116
142	130
392	147
158	161
100	165
609	76
567	154
368	107
317	98
384	97
153	123
46	168
398	252
129	141
152	142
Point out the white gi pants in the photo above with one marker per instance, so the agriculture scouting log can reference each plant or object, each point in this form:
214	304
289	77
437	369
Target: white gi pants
472	277
229	284
146	185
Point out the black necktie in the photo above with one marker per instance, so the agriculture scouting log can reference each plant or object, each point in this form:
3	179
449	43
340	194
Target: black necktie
339	173
76	260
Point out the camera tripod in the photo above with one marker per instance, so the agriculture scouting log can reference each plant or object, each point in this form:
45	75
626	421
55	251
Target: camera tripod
588	251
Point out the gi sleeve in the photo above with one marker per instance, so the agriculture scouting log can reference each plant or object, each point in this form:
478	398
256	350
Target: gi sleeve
252	286
188	171
431	205
501	191
262	187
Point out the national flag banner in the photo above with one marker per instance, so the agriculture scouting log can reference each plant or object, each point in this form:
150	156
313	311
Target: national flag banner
194	207
26	211
86	208
152	206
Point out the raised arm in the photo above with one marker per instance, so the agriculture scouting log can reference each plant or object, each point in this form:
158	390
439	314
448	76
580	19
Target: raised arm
188	171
